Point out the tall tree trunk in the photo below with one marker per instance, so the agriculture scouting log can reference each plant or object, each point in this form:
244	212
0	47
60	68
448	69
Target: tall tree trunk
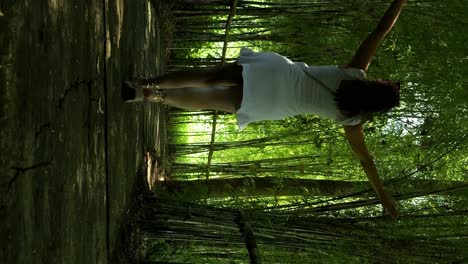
271	186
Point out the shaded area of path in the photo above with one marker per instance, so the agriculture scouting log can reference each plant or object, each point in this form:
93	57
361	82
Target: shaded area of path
69	148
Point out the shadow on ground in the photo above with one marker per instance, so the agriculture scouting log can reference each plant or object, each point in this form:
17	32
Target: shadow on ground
70	149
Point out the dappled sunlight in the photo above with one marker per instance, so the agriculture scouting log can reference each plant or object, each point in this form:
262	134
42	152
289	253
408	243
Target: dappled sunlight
57	8
53	5
120	15
149	40
108	45
154	171
150	28
151	178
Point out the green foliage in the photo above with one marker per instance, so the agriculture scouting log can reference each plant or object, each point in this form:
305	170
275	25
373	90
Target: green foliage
433	105
189	233
421	148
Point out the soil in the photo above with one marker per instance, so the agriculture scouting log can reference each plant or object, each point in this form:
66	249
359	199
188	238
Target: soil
70	149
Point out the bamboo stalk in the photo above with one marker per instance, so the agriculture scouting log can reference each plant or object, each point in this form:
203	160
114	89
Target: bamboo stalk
223	60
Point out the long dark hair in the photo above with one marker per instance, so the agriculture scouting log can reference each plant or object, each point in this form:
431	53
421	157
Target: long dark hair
354	97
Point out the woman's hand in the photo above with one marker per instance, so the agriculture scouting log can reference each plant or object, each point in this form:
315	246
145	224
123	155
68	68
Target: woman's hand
388	203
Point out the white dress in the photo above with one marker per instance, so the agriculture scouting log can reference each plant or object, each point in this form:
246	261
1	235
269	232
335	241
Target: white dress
275	88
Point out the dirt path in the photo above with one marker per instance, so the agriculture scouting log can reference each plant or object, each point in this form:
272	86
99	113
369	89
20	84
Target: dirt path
69	147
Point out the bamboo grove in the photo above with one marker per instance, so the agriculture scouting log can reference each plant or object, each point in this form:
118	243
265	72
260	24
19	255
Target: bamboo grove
305	195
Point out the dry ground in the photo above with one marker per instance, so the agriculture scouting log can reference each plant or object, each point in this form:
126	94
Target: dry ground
69	147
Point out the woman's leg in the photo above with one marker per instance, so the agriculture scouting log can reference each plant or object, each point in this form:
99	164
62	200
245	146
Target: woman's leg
196	89
226	75
226	99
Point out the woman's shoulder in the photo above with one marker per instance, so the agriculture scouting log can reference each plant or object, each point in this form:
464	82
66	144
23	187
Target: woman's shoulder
354	73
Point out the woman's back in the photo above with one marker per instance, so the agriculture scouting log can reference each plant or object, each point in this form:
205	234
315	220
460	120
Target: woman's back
275	88
316	95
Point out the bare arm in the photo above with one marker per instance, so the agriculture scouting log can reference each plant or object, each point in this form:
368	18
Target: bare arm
355	137
365	52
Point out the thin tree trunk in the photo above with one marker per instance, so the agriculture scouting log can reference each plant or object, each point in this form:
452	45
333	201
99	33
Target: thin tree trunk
277	186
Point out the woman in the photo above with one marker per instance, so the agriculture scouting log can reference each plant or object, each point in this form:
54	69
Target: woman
268	86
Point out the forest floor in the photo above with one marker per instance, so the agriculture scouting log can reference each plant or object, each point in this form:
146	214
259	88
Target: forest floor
70	149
